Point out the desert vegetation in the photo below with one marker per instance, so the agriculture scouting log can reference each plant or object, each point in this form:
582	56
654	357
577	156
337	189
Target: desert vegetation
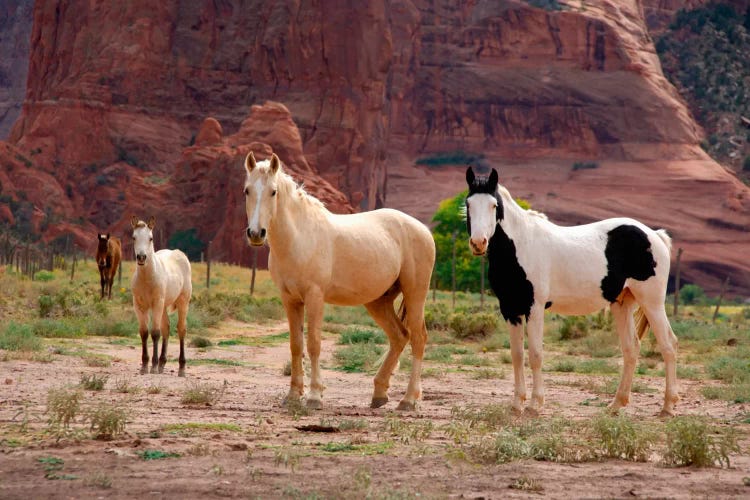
75	407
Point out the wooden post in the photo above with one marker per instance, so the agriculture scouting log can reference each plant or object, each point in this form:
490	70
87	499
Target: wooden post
677	283
208	266
481	284
721	297
73	267
433	283
27	266
255	267
453	272
119	274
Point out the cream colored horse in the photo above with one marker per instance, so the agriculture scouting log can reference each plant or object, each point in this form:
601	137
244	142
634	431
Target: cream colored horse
318	257
162	282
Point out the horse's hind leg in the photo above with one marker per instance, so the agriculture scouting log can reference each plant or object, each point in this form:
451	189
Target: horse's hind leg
164	340
667	341
630	344
182	311
414	321
382	312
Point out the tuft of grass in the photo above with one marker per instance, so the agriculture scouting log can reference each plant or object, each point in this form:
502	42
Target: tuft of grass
736	393
108	421
692	440
407	431
63	406
153	389
188	428
487	373
93	382
622	437
200	342
202	394
360	335
215	361
97	360
286	370
358	357
124	386
579	165
156	454
98	480
574	327
19	337
525	483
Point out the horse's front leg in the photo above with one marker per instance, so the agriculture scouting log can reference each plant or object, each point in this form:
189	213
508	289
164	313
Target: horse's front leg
295	313
535	333
156	316
516	354
102	281
314	304
164	340
143	331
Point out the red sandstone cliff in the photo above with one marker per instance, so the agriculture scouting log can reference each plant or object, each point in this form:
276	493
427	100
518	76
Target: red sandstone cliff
117	91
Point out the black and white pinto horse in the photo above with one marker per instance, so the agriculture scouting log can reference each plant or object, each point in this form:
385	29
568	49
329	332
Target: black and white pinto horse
536	265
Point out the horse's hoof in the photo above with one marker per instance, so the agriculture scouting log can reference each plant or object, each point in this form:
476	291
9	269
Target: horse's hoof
153	369
516	411
181	373
144	370
314	404
407	405
531	412
665	414
613	409
378	402
161	370
290	400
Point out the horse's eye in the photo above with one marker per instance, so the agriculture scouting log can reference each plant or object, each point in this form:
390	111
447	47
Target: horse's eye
247	191
273	193
151	239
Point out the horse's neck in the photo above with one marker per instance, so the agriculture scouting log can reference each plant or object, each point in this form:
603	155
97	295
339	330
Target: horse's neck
150	272
517	223
297	221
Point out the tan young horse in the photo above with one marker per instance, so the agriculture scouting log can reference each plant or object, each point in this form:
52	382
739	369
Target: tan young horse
161	283
108	257
318	257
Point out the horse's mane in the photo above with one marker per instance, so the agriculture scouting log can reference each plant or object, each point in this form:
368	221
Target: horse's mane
505	194
141	224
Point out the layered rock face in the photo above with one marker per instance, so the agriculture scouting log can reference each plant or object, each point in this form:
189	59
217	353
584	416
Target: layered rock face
118	93
15	33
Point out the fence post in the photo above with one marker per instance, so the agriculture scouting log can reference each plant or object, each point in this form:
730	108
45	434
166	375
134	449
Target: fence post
481	283
721	297
73	267
119	274
208	266
677	283
453	271
255	266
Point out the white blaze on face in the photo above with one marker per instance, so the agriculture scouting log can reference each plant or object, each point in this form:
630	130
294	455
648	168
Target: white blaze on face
142	241
480	209
253	223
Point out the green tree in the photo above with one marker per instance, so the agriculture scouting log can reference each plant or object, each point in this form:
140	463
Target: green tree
187	241
450	219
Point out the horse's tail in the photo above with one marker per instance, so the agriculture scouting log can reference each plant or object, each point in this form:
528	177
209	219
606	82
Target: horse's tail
662	233
641	323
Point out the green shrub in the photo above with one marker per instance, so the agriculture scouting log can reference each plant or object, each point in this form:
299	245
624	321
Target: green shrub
45	305
202	394
691	294
63	406
108	421
473	325
59	328
359	335
18	337
730	369
622	437
44	275
574	327
93	382
585	165
200	342
358	357
692	440
746	164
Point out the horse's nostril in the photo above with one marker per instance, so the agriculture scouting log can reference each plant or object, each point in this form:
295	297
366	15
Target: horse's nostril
249	233
263	233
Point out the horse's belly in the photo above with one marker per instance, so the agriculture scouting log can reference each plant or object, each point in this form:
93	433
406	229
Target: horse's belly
577	306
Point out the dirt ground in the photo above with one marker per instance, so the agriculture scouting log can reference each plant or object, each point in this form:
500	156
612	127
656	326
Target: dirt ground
266	456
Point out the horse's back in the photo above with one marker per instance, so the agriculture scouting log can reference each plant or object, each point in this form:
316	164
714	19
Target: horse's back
178	270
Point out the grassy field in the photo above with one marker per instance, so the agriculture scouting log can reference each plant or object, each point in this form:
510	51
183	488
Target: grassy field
69	362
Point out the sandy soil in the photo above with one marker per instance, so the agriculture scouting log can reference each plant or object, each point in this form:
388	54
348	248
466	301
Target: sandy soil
269	457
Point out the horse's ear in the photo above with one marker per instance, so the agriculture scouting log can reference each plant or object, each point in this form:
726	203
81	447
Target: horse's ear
134	221
275	163
250	162
151	222
470	176
107	236
492	184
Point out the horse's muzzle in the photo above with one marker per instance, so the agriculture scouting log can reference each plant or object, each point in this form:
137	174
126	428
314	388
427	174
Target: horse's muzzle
140	259
256	238
478	248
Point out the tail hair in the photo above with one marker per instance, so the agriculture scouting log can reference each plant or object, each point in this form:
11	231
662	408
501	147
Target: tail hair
664	235
641	323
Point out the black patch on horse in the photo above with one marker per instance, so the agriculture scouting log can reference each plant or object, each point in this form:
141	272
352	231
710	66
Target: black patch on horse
547	305
508	279
628	255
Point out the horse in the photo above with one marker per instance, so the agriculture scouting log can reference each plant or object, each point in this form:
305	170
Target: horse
161	283
536	265
108	257
318	257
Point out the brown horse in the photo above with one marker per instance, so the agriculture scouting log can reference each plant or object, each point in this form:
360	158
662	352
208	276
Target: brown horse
108	256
